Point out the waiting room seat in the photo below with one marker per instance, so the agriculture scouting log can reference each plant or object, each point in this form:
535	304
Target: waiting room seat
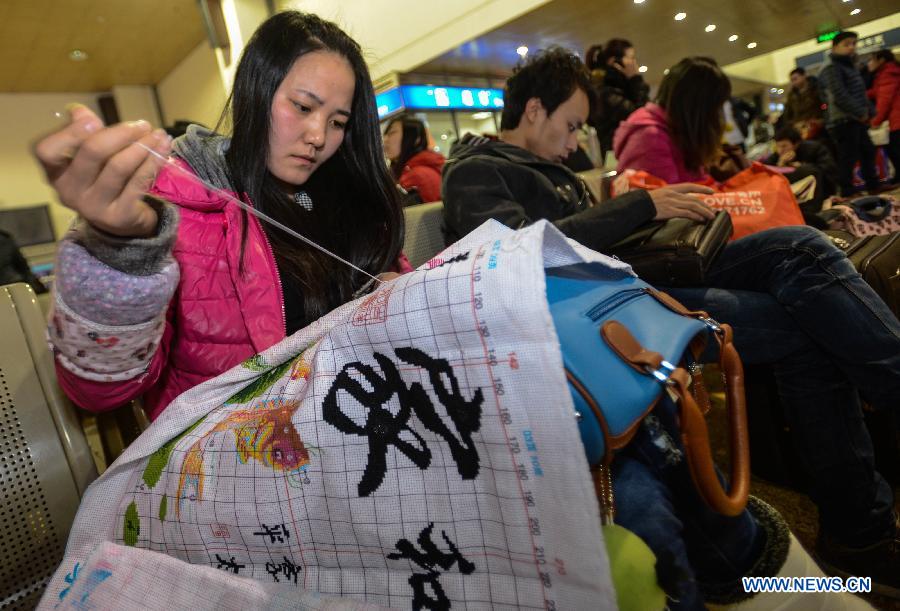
598	182
424	238
46	463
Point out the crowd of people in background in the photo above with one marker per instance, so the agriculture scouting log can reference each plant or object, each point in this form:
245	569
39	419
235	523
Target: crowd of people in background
822	131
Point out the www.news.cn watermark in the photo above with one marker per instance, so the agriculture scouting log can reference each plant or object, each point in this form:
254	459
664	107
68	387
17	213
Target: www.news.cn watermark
807	584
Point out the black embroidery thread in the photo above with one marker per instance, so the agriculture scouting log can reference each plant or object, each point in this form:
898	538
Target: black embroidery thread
461	257
383	428
229	565
288	570
278	532
429	558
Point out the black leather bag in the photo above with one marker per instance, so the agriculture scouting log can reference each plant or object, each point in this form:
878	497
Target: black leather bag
675	252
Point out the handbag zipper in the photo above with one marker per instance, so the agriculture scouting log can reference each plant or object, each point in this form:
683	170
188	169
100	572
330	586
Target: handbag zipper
612	302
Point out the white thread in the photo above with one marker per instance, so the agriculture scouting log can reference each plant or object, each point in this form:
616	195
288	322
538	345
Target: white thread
257	213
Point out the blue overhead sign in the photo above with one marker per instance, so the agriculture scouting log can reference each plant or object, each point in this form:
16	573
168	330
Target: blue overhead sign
429	97
389	102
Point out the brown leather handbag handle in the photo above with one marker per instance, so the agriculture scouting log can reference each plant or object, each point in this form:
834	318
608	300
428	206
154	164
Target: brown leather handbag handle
695	436
694	433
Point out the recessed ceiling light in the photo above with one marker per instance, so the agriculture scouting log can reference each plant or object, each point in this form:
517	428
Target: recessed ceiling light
77	55
732	38
847	0
642	69
680	16
780	91
773	90
751	45
666	71
523	50
856	11
711	27
638	1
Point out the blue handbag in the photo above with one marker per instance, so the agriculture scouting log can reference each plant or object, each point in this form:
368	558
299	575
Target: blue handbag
625	346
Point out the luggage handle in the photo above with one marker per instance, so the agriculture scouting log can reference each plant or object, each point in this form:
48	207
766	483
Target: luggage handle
694	432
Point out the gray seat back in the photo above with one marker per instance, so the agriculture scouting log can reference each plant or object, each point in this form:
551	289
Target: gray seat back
45	461
424	238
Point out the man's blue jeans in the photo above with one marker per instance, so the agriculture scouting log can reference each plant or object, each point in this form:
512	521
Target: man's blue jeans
796	302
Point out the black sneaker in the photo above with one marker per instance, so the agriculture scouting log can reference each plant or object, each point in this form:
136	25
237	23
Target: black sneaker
880	561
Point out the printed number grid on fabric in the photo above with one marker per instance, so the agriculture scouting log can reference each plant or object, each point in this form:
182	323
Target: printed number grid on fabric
411	450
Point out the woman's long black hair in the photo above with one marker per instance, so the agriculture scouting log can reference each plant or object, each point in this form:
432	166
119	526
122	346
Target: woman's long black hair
414	140
693	94
356	209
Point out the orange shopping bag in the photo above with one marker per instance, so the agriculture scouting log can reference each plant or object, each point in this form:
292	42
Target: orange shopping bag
756	198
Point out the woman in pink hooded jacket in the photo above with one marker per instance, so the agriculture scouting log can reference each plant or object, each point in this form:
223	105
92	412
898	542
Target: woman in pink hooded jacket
678	136
153	298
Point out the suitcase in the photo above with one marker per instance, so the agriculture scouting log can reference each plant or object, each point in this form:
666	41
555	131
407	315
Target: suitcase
877	258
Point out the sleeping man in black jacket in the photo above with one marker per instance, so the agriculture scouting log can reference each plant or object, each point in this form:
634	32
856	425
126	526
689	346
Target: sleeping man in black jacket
781	290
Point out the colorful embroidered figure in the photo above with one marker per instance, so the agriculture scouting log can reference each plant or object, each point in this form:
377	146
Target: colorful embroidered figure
300	369
263	432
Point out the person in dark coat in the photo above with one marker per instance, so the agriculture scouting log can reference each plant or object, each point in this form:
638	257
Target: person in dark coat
803	109
847	115
809	158
620	87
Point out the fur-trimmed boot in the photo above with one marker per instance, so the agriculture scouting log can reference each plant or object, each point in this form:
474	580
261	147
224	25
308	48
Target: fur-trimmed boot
782	557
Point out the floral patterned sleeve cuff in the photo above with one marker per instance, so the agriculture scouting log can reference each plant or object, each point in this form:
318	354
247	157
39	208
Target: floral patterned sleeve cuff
99	292
106	324
98	352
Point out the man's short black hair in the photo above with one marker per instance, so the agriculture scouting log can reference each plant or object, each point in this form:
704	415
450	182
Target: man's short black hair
843	36
551	75
788	133
799	71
